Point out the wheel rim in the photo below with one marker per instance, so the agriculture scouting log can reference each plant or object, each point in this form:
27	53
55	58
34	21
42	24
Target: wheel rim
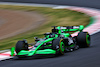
88	39
62	46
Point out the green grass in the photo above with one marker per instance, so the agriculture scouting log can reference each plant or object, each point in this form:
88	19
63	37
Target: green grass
61	17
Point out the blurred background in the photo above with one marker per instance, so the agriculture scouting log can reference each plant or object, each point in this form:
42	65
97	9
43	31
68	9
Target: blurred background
27	22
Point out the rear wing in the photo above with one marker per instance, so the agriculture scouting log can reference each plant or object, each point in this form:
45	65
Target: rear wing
70	28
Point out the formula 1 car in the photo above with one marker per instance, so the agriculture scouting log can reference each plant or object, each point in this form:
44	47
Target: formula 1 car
57	42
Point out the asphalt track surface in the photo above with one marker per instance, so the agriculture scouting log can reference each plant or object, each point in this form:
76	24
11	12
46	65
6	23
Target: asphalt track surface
84	57
82	3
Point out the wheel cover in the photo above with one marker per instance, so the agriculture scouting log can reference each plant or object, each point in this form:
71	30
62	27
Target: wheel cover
61	46
88	39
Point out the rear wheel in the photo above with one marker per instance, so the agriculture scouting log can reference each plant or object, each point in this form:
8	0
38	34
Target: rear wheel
59	46
21	45
83	39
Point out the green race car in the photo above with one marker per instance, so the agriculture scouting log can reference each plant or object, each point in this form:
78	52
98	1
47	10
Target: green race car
57	42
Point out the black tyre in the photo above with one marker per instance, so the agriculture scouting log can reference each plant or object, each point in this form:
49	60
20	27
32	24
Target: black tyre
83	39
59	46
21	45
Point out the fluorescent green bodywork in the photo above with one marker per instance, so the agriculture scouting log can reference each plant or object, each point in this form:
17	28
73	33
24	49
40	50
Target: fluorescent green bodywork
46	51
30	53
12	51
62	31
36	51
81	27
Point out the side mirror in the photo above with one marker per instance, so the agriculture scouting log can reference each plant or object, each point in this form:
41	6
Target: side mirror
35	37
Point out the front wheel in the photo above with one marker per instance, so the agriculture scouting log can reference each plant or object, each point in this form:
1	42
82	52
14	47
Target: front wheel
21	45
